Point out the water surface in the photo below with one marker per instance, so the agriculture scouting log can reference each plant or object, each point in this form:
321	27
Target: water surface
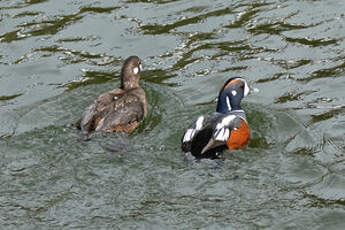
57	56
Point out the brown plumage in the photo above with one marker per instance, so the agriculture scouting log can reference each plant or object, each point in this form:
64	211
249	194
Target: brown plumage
120	109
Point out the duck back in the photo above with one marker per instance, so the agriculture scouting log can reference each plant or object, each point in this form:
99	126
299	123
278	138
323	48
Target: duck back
117	110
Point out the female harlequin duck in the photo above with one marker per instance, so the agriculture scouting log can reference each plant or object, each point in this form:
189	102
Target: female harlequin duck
120	109
226	128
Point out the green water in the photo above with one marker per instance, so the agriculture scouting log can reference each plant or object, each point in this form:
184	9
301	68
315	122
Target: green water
57	56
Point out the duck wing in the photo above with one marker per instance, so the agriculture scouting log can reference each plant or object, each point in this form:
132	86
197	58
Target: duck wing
208	135
95	112
221	131
123	114
202	124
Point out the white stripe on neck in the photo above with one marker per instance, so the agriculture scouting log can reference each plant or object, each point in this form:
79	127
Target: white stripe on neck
228	103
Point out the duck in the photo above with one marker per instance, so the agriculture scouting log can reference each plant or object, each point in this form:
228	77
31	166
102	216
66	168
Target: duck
227	128
121	109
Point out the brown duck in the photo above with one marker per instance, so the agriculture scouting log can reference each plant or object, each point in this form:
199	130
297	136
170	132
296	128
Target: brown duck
120	109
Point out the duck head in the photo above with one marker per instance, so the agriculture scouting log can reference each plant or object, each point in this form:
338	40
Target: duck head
231	94
130	73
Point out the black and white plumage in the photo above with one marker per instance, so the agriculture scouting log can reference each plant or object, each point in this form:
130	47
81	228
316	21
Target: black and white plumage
227	128
211	132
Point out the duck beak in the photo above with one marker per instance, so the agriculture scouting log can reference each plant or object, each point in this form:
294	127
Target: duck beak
253	90
248	90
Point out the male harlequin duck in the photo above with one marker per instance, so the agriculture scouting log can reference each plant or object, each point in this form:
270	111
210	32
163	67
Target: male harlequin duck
120	109
227	128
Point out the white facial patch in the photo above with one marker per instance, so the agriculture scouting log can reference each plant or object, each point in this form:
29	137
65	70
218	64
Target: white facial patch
136	70
140	67
234	92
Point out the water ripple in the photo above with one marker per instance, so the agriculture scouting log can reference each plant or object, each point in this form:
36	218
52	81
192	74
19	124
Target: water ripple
160	29
49	27
58	56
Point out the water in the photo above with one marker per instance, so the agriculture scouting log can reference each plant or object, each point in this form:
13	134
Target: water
57	56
